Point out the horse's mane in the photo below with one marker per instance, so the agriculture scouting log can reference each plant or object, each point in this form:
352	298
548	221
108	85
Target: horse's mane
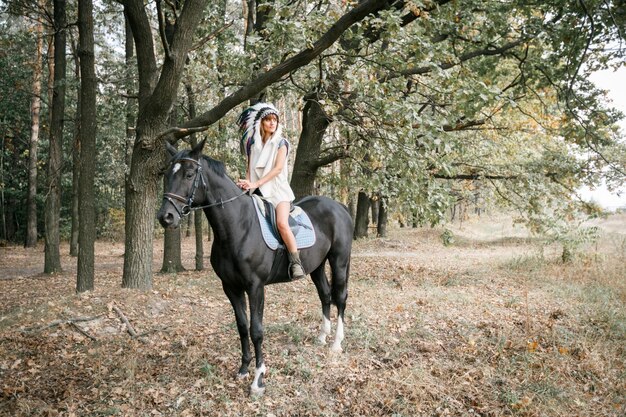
214	165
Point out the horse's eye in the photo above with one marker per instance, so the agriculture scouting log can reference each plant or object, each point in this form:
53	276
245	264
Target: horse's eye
189	175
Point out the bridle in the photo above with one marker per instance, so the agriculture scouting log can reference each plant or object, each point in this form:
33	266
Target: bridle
188	202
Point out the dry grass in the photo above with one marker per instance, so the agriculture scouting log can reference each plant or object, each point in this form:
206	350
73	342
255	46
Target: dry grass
490	326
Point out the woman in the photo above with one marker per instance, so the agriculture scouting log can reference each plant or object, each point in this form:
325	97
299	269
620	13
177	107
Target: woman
267	173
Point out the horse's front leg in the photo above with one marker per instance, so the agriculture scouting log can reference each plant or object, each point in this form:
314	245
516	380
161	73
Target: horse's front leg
257	301
238	301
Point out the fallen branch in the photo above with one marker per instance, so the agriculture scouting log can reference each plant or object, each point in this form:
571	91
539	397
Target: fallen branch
83	332
129	327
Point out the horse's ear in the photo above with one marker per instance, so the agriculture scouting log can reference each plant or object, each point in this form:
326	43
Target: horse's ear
197	150
170	148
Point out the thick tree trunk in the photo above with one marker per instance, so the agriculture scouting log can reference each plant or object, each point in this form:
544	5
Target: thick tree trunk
52	263
314	124
141	204
35	108
362	219
86	201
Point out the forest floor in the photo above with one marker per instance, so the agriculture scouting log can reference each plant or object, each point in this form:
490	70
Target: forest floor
492	325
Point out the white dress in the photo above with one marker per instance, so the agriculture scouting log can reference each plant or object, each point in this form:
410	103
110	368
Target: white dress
262	159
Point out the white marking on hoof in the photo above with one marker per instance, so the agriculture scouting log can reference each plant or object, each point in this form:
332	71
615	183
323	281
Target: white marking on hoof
325	330
258	385
242	376
338	337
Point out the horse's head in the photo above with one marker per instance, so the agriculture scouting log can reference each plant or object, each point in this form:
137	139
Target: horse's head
184	185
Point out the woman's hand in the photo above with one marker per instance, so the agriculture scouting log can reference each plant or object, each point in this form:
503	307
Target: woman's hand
247	185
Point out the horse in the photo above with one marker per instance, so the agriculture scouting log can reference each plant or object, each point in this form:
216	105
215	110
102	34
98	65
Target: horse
241	259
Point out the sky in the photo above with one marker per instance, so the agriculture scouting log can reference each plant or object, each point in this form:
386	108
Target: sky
615	83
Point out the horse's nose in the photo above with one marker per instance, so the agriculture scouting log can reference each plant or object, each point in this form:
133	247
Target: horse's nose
166	219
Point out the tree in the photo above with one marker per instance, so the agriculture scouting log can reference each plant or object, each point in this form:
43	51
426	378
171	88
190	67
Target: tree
88	123
31	226
52	258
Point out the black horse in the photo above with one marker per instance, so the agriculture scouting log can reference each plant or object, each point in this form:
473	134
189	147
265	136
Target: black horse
239	255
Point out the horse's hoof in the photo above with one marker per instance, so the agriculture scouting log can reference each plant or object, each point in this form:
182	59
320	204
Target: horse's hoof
322	339
257	392
242	376
336	349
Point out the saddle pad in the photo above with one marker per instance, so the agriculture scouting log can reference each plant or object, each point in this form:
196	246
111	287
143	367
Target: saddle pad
304	232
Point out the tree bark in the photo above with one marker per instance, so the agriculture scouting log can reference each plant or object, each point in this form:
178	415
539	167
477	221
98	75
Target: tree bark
362	218
52	263
314	124
156	96
374	207
86	200
35	108
131	110
381	227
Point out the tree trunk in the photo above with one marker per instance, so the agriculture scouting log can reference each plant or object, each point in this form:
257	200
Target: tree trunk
35	108
52	263
314	124
362	219
197	215
141	204
75	160
374	207
3	215
86	201
131	108
381	227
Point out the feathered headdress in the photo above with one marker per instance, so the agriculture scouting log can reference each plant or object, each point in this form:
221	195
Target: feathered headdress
250	126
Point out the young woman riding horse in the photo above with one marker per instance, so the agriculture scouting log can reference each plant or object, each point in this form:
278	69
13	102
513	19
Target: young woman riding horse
267	171
239	256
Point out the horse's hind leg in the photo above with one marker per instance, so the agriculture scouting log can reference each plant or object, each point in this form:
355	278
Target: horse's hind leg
323	291
340	266
238	301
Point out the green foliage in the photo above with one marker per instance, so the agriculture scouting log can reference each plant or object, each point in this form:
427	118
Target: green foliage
471	101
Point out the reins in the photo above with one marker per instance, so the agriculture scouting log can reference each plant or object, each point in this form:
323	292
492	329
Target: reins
187	208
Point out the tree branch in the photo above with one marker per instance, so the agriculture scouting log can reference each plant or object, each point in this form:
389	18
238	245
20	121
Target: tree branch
166	45
258	84
464	57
